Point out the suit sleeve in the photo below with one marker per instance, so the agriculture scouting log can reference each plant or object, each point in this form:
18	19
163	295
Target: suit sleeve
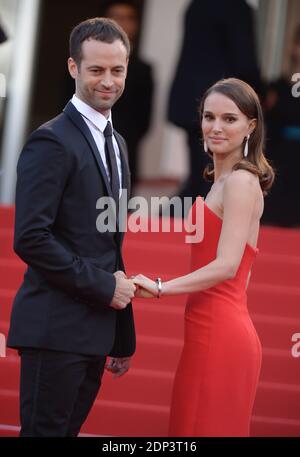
241	42
42	174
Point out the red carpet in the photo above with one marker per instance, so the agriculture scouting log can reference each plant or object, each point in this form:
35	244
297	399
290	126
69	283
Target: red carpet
138	404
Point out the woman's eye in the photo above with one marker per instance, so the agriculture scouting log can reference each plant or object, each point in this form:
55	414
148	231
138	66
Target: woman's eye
231	119
208	117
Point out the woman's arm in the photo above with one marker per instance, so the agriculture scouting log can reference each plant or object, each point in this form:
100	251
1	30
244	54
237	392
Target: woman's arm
240	192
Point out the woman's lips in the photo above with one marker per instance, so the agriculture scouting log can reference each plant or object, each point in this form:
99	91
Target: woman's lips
216	139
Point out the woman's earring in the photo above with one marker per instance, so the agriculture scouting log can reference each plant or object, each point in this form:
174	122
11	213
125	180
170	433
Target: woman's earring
205	146
246	146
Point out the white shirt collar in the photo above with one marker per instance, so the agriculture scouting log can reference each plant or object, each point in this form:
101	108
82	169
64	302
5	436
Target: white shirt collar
91	114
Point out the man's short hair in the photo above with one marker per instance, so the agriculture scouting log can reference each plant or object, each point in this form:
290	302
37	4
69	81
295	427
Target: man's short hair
100	29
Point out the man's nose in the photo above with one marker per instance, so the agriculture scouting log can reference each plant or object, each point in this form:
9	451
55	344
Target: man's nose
107	80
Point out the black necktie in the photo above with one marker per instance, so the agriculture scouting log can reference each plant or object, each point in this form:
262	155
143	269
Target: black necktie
112	163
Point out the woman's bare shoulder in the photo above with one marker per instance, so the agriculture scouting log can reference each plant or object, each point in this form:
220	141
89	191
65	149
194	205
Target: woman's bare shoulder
241	181
242	178
244	186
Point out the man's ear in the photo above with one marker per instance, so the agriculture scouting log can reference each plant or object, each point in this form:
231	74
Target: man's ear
126	71
73	69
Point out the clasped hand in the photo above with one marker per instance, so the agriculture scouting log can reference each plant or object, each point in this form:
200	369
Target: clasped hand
128	288
145	287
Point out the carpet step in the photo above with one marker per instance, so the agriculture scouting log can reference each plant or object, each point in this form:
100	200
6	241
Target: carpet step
276	332
260	427
277	367
116	418
11	273
274	300
6	243
274	427
137	386
163	349
9	412
7	216
277	301
171	261
279	240
269	238
276	269
9	431
6	299
277	400
112	418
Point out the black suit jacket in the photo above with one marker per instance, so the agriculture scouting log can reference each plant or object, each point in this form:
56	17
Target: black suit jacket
132	112
63	303
218	43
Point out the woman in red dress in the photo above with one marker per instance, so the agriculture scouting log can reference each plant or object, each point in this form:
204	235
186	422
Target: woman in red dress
218	372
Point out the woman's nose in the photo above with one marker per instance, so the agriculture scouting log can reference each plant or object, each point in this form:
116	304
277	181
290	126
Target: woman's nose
217	127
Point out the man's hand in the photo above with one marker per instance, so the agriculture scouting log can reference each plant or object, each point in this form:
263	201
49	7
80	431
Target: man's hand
124	291
118	366
146	288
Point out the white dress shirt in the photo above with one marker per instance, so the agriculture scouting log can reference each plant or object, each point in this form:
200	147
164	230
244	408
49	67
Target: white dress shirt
96	122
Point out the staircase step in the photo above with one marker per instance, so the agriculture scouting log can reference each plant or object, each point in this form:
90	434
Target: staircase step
277	367
268	269
110	418
9	412
274	300
276	332
277	400
115	418
274	427
280	367
11	273
157	258
279	240
7	216
148	315
6	299
277	301
276	269
9	431
137	386
6	243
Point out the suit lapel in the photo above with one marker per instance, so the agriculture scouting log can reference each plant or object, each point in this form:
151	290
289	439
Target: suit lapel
76	118
124	162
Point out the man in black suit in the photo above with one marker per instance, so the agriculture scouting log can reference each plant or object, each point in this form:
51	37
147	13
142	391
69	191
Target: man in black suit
73	308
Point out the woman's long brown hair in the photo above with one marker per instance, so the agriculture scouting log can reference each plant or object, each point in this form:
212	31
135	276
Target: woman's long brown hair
248	103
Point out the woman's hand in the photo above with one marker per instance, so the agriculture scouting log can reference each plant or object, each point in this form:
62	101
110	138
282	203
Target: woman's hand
146	288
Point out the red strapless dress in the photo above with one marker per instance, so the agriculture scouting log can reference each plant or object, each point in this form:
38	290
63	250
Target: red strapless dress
217	375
